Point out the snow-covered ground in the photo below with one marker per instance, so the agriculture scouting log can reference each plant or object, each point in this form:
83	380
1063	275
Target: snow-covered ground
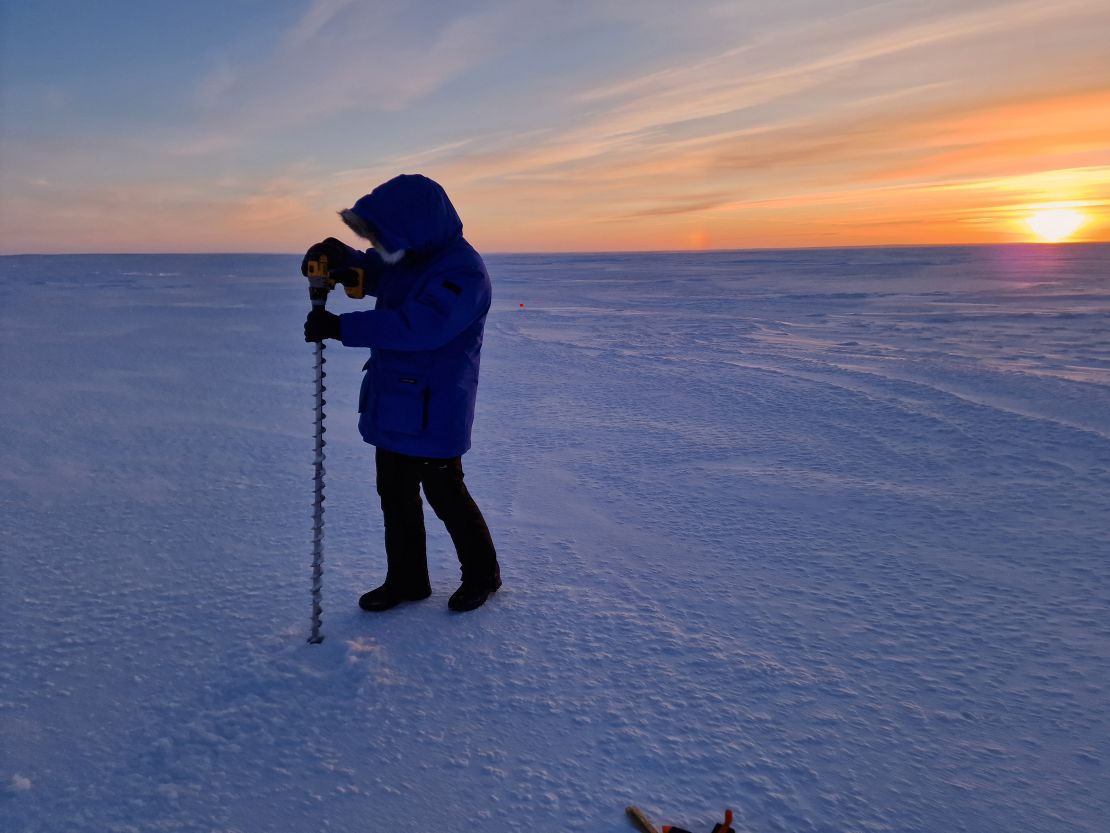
822	536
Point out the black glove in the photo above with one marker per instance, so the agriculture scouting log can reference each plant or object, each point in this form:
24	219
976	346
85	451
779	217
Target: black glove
321	324
335	250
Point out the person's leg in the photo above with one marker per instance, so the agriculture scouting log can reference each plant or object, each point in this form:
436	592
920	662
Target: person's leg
452	503
398	482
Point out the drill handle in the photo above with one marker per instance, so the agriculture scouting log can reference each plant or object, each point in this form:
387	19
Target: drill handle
353	280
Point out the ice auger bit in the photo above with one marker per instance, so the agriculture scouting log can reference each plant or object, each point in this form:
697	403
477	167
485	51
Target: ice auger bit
642	822
320	283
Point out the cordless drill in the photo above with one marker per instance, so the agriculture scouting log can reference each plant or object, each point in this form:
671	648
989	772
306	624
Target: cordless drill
321	280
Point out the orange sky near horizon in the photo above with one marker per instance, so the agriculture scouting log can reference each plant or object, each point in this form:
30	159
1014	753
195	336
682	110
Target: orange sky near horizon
941	179
744	127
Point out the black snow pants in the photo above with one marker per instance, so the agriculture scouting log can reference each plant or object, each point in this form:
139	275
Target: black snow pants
400	477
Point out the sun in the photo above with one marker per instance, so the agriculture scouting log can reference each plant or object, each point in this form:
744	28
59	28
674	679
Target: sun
1054	225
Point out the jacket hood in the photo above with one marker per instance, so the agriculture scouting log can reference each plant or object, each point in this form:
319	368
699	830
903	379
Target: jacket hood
410	212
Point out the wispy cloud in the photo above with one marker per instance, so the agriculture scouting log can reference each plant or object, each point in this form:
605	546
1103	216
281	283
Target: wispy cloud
319	14
345	57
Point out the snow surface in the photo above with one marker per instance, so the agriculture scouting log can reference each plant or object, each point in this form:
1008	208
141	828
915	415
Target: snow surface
818	535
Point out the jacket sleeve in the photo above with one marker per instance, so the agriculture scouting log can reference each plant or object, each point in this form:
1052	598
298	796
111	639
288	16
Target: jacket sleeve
370	264
447	305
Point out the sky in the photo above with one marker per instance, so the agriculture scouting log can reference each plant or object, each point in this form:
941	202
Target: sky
555	125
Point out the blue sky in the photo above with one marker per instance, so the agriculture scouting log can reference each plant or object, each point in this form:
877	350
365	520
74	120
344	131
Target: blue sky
244	126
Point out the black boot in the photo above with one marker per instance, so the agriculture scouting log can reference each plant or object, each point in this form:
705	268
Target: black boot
473	592
389	595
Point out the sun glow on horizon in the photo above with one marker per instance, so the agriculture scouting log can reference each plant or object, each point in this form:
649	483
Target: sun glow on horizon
1054	225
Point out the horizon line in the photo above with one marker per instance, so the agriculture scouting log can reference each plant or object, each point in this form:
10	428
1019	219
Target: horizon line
550	253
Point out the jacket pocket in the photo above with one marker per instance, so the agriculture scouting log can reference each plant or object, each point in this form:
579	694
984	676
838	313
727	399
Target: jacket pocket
402	403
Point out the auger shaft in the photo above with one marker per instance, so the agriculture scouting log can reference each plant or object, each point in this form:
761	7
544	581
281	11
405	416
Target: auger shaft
318	500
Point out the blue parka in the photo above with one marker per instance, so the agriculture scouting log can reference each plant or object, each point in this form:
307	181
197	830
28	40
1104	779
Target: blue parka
425	330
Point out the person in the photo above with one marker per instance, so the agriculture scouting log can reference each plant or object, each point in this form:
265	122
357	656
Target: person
416	404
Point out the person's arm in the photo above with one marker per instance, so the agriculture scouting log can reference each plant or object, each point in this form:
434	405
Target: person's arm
448	304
